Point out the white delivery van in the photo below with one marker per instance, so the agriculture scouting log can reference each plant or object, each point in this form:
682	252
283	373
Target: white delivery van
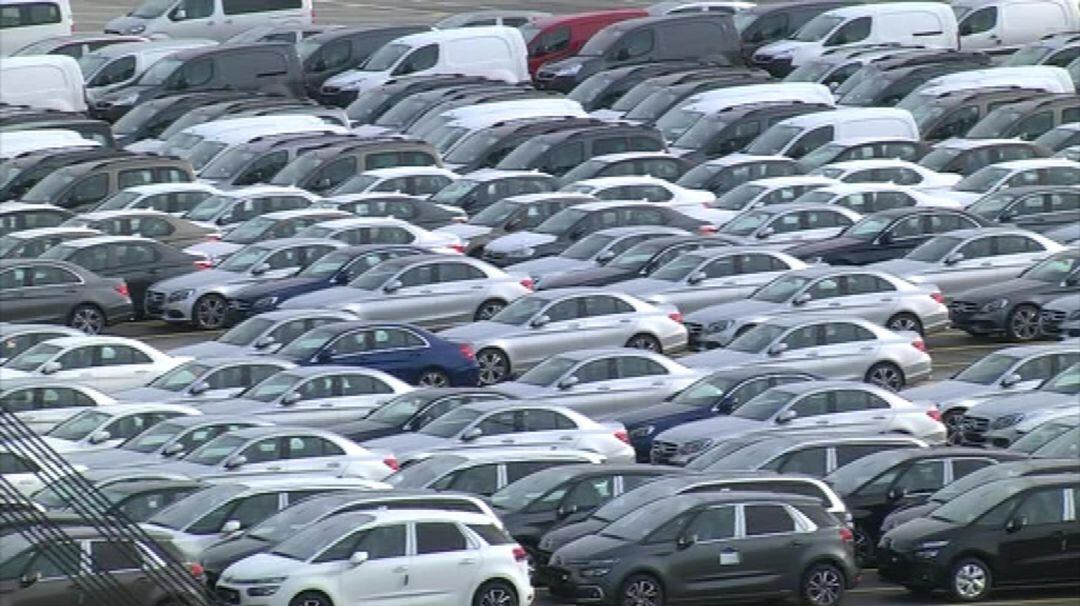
800	135
682	117
483	115
495	52
216	19
117	65
1001	26
926	24
16	142
1036	77
23	22
43	82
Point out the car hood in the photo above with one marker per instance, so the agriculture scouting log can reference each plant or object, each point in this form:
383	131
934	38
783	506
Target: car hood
717	428
402	445
214	249
115	457
279	287
721	358
735	310
1025	402
1017	287
149	394
524	391
594	276
464	231
810	250
218	556
537	268
209	349
259	566
329	297
649	414
918	531
903	267
949	389
475	332
519	241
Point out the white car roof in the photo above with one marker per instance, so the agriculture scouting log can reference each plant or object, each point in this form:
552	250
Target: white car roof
792	180
606	182
405	171
254	191
490	174
740	158
124	212
973	143
164	188
1037	163
634	155
13	205
26	234
850	165
439	35
350	222
126	408
832	116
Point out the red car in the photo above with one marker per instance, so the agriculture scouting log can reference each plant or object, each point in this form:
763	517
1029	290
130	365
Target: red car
561	36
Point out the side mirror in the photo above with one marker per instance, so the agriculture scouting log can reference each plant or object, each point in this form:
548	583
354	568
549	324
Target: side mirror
358	558
179	14
954	258
50	367
622	55
173	449
471	434
802	299
778	349
566	510
896	493
605	256
234	462
342	278
290	398
231	526
29	579
1015	524
1011	380
393	286
324	357
1007	216
685	541
539	321
265	342
766	233
697	277
568	382
786	417
100	436
260	269
198	388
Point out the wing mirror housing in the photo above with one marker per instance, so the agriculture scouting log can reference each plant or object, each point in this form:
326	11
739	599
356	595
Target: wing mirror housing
260	269
290	398
1011	380
697	277
199	388
230	527
1015	524
896	493
786	417
778	349
569	382
471	434
605	256
234	462
565	511
358	558
51	367
802	299
540	321
99	437
954	258
29	579
393	286
686	541
173	449
264	342
765	233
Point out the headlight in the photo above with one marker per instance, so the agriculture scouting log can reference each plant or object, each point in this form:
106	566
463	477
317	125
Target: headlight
262	592
1007	420
522	252
136	29
930	549
354	85
994	306
261	581
695	446
266	302
180	295
569	70
595	568
643	431
720	326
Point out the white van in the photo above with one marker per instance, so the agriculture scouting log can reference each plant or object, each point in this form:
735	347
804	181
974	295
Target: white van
217	143
216	19
43	82
17	142
117	65
926	24
1001	26
446	129
495	52
682	117
1036	77
798	136
24	22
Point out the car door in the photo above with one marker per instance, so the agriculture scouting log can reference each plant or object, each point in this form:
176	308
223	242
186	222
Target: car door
543	426
306	453
860	410
561	332
54	563
384	578
812	411
846	350
1038	549
50	293
445	567
584	497
606	321
769	530
231	380
119	366
588	385
638	381
17	305
866	296
970	264
315	403
139	264
460	290
415	300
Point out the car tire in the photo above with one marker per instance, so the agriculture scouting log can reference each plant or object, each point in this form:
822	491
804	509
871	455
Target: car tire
87	318
1022	324
645	342
496	593
865	552
641	590
494	366
822	585
886	375
488	309
311	598
952	419
433	377
210	312
970	580
905	321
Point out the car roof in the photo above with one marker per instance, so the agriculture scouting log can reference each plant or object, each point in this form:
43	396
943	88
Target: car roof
966	144
283	315
105	239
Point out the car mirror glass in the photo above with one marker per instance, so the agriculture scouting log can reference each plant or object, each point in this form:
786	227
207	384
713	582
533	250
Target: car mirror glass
778	349
29	579
99	437
358	558
540	321
786	417
264	342
766	233
199	388
173	449
290	398
234	462
1011	379
393	286
802	299
1016	524
896	493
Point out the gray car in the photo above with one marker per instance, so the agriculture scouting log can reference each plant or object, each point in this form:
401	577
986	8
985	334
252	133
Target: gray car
837	348
201	298
968	258
601	382
789	224
484	472
58	292
29	243
427	290
566	319
1060	318
806	406
515	213
848	292
708	277
994	421
281	224
17	338
153	224
264	333
206	379
592	251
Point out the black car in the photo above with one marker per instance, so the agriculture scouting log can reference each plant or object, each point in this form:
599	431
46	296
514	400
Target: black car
1010	532
478	190
138	261
258	161
53	291
771	21
1038	208
966	156
138	501
885	83
603	89
334	51
512	214
558	152
149	120
1012	307
19	175
17	217
889	234
876	485
723	174
759	545
659	102
1028	119
719	134
953	113
487	147
379	100
412	411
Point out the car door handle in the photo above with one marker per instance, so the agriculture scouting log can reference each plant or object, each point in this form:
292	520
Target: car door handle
822	422
866	349
400	569
886	299
467	561
274	468
834	304
566	438
507	442
624	321
333	465
879	418
326	405
987	264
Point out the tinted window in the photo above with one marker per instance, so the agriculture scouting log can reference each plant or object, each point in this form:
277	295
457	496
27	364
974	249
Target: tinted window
438	537
768	519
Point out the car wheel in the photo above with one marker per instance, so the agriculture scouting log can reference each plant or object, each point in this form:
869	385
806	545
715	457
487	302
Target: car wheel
433	377
311	598
953	420
488	309
645	342
494	366
864	547
1023	323
88	318
495	593
209	312
822	585
905	321
887	375
970	580
641	590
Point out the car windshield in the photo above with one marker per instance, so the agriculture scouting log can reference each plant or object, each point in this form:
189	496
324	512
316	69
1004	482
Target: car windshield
810	72
588	91
1043	435
203	153
356	185
150	9
89	64
925	115
451	423
452	194
976	479
780	289
701	175
739	197
774	140
821	156
385	58
400	409
327	265
756	339
643	521
970	506
934	250
468	150
817	28
982	180
996	124
228	164
518	495
583	171
423	473
637	255
702	132
587	248
1053	270
304	346
209	209
746	223
50	187
305	544
764	406
31	359
118	201
496	214
677	122
215	451
283	525
561	221
990	206
79	426
244	259
1066	382
271	388
1056	139
246	332
847	479
636	95
547	372
159	72
525	154
154	438
868	228
678	269
251	230
296	170
181	376
863	87
189	509
374	278
705	392
520	311
988	369
940	158
654	106
1065	446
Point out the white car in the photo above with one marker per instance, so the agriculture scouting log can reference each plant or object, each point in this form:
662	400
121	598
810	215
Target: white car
760	192
108	363
782	225
383	230
23	470
41	405
386	557
888	170
173	198
412	180
105	427
650	189
1017	173
869	198
280	224
228	209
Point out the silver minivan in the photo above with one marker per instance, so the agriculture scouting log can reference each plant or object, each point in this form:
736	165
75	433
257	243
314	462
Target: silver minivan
216	19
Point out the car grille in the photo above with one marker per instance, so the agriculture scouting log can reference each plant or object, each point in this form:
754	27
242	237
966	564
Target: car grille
228	596
662	452
975	424
155	300
1050	320
695	329
962	308
239	305
211	578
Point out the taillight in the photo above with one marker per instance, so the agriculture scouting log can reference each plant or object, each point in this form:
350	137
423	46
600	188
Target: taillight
934	413
458	248
214	237
940	298
122	290
846	535
622	436
519	554
467	351
919	344
196	569
204	263
528	283
708	230
676	316
391	462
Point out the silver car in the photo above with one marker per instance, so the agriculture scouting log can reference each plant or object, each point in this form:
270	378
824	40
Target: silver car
707	277
806	406
969	258
601	382
994	421
788	224
566	319
508	424
201	298
281	224
837	348
264	333
849	292
42	405
594	250
428	290
206	379
17	338
483	471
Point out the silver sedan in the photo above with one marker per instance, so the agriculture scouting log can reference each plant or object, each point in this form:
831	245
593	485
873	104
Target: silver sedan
567	319
594	250
834	291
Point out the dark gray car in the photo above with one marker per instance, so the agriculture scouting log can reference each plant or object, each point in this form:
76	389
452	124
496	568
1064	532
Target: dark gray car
39	290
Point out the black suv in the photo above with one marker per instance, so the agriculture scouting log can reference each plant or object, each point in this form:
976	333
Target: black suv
954	113
556	153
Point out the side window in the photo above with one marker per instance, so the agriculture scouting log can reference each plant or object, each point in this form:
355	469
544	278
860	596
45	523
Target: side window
812	405
422	58
811	141
600	305
1043	507
922	476
864	284
439	537
629	367
809	461
120	355
192	9
801	338
114	556
263	450
56	561
459	272
380	543
1035	125
843	332
962	467
564	310
553	41
482	479
47	275
121	70
977	249
92	189
198	73
979	21
856	400
544	420
590	493
595	371
825	288
519	469
767	519
566	156
1014	245
1038	368
420	276
635	45
498	424
80	357
610	145
713	524
851	32
846	453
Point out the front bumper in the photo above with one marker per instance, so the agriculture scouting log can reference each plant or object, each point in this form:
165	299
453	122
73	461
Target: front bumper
569	585
969	319
158	306
332	95
1054	324
903	568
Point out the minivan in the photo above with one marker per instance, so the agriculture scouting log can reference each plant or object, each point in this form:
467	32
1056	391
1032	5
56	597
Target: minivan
1001	26
44	82
954	113
1038	77
558	37
798	136
323	169
27	21
217	19
328	54
706	37
79	187
927	24
119	64
771	21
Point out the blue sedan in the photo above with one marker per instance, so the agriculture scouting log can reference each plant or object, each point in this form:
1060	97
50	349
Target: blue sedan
411	354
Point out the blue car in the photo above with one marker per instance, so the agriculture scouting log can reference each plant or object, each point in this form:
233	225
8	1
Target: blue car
411	354
716	394
337	268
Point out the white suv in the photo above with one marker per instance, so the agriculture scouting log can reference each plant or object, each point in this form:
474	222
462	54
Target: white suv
402	557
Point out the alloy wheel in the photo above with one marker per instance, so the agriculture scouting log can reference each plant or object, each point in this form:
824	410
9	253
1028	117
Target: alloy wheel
210	312
497	596
970	580
641	592
887	376
1024	323
434	378
488	310
645	343
824	586
905	322
493	367
87	319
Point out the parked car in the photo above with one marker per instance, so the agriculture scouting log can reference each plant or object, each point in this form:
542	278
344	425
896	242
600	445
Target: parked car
994	421
205	379
485	472
802	453
110	363
262	226
41	405
30	243
1059	318
107	427
966	156
593	250
417	211
510	214
381	230
17	216
264	333
788	224
1038	208
64	293
413	410
17	338
173	198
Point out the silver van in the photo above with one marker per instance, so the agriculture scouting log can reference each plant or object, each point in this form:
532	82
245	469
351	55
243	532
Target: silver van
216	19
